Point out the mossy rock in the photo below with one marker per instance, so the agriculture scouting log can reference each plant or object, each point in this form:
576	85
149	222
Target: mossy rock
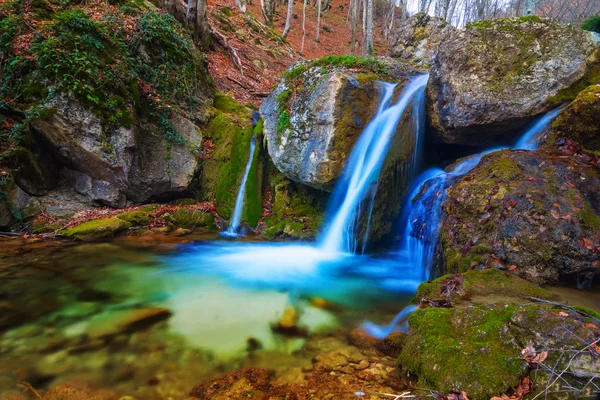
483	286
192	219
468	349
136	218
534	210
579	121
97	229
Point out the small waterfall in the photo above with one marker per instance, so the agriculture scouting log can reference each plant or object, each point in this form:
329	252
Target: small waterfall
423	213
234	224
361	172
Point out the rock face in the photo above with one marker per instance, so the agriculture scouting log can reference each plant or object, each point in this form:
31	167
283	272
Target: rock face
579	121
315	115
533	211
490	79
419	38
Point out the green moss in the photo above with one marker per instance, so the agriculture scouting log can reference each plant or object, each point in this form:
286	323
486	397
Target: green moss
585	310
39	227
590	78
253	196
137	218
588	217
97	229
192	219
228	105
487	282
591	24
469	349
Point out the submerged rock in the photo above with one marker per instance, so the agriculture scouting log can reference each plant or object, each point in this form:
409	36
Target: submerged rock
580	121
531	212
491	78
419	38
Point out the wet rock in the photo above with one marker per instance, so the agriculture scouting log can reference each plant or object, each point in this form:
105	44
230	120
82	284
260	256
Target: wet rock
578	122
36	173
78	391
251	383
192	219
543	224
419	38
288	324
392	344
107	194
112	323
312	127
491	78
362	339
97	229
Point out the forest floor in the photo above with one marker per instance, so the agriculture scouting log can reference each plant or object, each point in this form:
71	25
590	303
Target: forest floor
264	55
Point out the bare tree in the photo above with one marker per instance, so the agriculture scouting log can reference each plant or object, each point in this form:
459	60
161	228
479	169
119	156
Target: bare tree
268	10
241	4
303	26
288	18
195	17
370	26
354	22
318	35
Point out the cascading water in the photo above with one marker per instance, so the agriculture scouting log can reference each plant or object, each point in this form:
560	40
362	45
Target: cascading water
423	212
361	173
234	224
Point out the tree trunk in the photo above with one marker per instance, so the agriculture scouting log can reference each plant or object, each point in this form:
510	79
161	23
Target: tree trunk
241	4
370	26
303	26
354	21
364	28
268	9
195	17
318	35
288	18
528	7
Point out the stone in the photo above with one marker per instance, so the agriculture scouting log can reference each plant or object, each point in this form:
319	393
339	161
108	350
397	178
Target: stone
579	122
541	216
34	173
159	171
111	323
250	383
77	138
96	229
489	80
78	391
312	128
107	194
419	37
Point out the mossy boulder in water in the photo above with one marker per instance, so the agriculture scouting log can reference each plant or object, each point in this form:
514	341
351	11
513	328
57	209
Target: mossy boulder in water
97	229
531	212
192	219
491	78
317	112
419	37
580	121
480	349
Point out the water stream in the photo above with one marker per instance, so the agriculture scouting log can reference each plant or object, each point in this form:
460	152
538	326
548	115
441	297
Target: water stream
236	219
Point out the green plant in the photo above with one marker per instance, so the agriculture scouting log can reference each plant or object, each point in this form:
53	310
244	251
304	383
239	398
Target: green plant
592	24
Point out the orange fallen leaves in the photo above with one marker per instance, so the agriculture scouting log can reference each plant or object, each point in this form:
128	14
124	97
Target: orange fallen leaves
532	357
562	314
591	326
512	267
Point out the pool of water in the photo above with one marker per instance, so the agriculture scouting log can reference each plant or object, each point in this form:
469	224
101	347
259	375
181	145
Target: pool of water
152	317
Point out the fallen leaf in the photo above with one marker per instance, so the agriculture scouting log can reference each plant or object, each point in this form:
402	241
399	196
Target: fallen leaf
562	314
555	214
591	326
512	267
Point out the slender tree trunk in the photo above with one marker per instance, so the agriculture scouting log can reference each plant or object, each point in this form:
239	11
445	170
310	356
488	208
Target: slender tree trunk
268	9
354	7
364	28
370	26
303	26
528	7
241	4
288	18
318	35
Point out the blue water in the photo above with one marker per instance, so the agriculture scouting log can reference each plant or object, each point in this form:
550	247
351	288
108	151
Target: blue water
234	225
361	172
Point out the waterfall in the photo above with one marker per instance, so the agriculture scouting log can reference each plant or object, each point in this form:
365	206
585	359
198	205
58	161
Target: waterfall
423	213
234	224
361	172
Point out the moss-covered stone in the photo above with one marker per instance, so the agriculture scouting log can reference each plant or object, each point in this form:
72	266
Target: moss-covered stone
468	349
579	121
97	229
136	218
534	210
192	219
482	285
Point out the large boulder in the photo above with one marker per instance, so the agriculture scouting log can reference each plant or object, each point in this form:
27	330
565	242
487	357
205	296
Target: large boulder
533	212
419	38
491	78
317	112
580	122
